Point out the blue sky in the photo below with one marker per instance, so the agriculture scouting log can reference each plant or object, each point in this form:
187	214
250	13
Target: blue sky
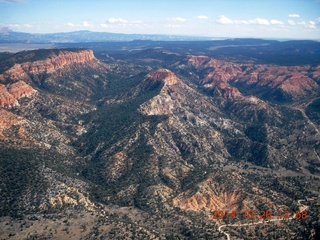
214	18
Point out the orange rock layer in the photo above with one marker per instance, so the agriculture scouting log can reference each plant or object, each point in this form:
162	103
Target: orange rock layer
10	94
210	196
49	65
294	80
165	75
198	201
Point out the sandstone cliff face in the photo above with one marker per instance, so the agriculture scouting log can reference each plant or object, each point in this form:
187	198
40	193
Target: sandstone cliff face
6	99
21	89
49	65
11	93
202	62
39	94
192	158
163	75
168	99
296	81
225	201
63	72
228	92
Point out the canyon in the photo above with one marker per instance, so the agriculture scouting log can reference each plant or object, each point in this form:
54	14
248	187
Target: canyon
154	142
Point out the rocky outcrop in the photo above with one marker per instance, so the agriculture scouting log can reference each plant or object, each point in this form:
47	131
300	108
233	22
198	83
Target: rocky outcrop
295	81
163	79
11	93
71	197
210	196
171	96
62	72
163	75
228	92
49	65
6	99
21	89
225	201
202	62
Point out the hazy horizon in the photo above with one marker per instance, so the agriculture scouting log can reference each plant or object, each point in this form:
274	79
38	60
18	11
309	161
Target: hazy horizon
287	19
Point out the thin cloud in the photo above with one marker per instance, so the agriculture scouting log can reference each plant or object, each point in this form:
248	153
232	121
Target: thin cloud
202	17
261	21
121	21
172	26
177	19
310	24
71	25
291	22
117	20
14	25
104	25
276	22
258	21
27	25
84	24
136	22
224	20
294	15
116	23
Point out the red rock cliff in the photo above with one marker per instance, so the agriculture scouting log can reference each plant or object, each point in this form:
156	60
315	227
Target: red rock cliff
165	75
11	93
297	81
49	65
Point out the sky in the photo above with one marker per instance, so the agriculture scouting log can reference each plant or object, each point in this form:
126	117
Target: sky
293	19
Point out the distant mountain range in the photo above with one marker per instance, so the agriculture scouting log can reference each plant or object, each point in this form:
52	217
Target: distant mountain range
8	36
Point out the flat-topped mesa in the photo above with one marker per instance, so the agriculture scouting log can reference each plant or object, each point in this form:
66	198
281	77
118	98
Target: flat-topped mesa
55	62
163	75
49	65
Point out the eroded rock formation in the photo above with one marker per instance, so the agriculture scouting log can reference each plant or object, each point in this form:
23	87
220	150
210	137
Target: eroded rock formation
49	65
295	81
11	93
